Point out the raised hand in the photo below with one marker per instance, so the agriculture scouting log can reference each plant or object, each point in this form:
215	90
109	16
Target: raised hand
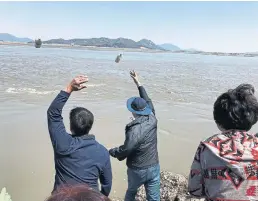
77	83
135	77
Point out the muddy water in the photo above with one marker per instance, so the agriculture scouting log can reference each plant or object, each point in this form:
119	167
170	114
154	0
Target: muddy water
183	88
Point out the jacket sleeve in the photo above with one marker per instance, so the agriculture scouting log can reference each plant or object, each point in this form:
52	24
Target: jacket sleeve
61	140
196	181
129	145
106	178
144	95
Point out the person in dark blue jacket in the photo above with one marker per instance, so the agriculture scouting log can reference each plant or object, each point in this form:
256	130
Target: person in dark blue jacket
79	158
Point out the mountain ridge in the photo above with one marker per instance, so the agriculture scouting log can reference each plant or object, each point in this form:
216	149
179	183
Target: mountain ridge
97	42
107	42
170	47
11	38
118	43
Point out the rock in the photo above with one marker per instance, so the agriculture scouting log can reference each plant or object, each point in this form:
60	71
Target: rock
173	187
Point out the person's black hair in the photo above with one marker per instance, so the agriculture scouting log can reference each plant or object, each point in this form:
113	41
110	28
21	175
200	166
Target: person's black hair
81	121
236	109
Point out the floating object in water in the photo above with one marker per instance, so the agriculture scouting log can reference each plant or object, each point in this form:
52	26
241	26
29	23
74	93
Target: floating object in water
38	43
118	58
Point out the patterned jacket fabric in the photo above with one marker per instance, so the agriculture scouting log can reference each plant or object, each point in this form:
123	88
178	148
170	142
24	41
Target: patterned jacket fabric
225	168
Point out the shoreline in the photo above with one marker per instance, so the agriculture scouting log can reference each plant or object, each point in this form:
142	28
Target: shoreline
173	187
218	53
78	47
142	50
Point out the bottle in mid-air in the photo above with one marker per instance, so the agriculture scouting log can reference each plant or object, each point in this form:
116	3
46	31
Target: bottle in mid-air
118	58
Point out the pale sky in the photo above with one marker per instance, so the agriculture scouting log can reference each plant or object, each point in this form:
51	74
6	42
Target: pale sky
207	26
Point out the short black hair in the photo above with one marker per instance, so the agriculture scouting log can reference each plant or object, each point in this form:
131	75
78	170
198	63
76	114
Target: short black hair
236	109
81	121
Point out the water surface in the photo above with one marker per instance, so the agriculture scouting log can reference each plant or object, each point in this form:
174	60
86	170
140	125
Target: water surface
183	88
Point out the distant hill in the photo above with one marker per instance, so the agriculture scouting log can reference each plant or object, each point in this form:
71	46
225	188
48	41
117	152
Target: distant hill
148	44
170	47
107	42
11	38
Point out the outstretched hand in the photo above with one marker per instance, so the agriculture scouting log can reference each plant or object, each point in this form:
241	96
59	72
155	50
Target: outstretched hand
77	83
135	77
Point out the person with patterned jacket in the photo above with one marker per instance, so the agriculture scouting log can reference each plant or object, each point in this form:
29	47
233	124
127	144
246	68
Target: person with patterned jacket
225	166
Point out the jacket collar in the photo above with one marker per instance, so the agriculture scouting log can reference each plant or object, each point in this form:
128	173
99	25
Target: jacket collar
138	120
87	137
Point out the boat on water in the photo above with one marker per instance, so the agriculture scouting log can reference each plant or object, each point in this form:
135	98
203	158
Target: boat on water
38	43
118	58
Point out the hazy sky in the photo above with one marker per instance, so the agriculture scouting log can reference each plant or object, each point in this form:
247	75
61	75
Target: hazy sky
208	26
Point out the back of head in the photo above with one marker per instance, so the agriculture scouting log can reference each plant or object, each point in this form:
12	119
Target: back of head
77	193
237	108
81	121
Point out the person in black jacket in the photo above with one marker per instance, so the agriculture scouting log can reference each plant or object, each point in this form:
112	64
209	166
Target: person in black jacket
79	158
140	147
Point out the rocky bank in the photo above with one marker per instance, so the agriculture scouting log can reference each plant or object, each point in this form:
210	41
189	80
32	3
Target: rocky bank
173	187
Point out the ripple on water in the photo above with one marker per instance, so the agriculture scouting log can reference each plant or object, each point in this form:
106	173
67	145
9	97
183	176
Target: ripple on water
13	90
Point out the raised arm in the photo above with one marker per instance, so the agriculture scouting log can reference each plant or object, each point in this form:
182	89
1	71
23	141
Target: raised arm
142	91
62	140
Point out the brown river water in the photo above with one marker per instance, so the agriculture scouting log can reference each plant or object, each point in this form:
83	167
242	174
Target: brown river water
183	88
